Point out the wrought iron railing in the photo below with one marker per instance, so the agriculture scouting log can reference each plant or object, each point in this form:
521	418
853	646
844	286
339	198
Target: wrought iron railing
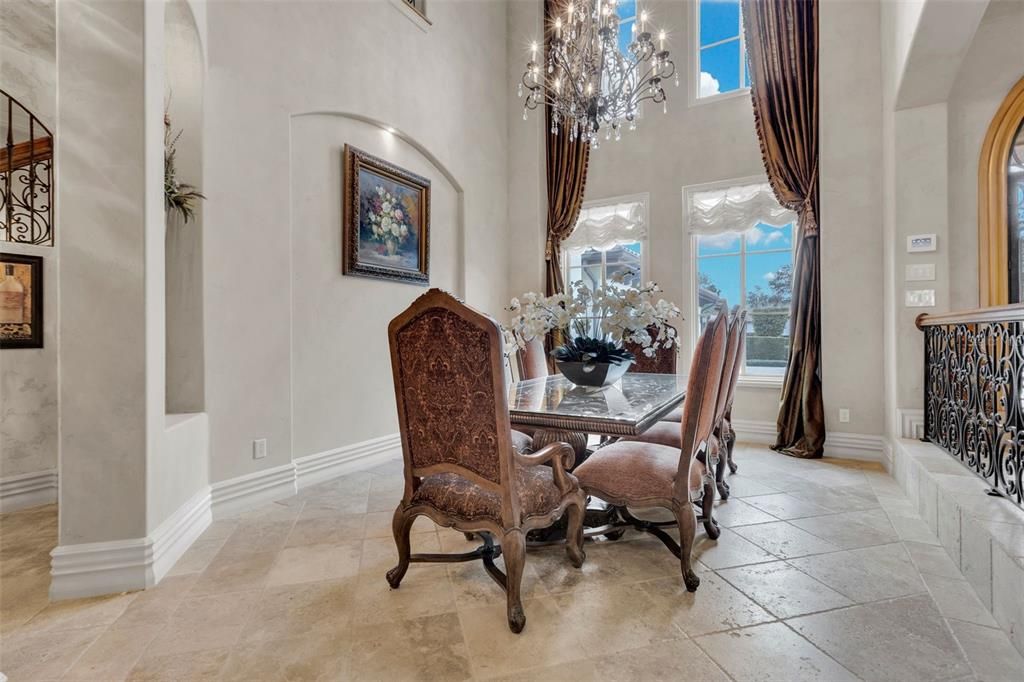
26	176
973	393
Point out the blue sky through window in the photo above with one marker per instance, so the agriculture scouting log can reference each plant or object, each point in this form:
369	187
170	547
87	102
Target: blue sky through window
721	48
719	19
627	17
761	250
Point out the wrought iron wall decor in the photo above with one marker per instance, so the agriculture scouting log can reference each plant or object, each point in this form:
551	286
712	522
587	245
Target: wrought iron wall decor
26	176
974	369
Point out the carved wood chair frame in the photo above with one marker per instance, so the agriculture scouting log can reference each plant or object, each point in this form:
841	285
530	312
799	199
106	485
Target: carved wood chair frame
511	531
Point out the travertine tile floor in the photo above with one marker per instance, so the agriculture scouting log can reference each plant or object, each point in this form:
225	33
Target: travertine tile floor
823	572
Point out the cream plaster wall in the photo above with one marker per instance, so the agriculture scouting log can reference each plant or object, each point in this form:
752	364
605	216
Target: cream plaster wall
333	359
851	214
444	88
101	156
993	64
28	377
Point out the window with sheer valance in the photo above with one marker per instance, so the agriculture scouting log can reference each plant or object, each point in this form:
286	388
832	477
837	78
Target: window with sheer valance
743	253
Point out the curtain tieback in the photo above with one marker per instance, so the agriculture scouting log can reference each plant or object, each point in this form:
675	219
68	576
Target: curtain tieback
549	249
808	217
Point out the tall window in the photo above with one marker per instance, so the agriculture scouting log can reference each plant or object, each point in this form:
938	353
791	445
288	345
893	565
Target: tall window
721	53
626	10
609	239
743	253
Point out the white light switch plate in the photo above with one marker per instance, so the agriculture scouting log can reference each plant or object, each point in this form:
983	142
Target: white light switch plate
919	243
920	298
259	448
920	272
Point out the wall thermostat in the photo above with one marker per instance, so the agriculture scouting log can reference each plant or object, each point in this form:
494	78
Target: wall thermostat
919	243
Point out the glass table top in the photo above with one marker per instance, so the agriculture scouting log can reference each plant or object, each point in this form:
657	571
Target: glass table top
628	407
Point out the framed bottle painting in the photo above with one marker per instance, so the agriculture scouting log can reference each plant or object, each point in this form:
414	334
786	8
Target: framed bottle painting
386	220
21	301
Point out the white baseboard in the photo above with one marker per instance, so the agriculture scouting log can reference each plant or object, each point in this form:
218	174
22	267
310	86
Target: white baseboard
95	568
90	569
248	491
756	432
313	469
28	490
837	444
861	446
911	423
244	492
177	533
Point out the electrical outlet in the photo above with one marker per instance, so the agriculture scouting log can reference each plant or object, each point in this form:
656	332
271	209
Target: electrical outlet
844	415
919	298
259	448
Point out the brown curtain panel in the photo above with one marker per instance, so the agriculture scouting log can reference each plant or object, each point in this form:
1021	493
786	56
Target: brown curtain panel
566	175
782	43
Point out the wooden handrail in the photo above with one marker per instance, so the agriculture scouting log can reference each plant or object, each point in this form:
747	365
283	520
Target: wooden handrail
1001	313
24	153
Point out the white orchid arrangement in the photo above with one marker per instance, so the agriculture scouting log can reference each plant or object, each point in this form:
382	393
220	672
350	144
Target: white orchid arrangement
387	219
625	315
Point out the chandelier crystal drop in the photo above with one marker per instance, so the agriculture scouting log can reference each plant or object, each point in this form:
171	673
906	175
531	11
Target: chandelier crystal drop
585	78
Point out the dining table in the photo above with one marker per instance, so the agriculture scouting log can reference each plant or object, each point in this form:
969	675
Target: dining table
557	410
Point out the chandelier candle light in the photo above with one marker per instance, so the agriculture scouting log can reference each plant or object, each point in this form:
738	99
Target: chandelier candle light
585	78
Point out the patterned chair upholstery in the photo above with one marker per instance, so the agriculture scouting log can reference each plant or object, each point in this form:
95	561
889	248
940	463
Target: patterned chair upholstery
461	467
636	474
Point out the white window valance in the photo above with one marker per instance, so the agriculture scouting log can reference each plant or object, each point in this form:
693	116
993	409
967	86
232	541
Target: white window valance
603	226
734	209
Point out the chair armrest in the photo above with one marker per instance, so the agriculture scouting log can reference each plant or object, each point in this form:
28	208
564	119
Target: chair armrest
560	455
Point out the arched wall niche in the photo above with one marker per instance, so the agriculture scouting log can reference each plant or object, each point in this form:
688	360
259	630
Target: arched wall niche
183	242
993	201
342	389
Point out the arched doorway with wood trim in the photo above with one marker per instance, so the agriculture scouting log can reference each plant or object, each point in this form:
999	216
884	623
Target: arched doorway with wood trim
1001	204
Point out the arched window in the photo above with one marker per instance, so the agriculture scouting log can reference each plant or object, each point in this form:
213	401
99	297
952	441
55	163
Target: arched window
1001	204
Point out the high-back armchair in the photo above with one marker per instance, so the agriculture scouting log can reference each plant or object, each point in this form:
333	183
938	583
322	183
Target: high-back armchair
461	469
724	442
642	474
533	359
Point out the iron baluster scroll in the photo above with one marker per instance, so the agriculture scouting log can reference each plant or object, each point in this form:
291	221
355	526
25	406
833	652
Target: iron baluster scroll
974	368
26	176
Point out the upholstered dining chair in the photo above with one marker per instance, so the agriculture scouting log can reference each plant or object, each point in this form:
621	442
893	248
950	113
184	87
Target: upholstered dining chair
461	469
638	474
533	360
709	461
724	437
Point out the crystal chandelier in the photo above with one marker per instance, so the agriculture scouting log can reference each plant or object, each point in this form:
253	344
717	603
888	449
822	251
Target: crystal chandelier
590	83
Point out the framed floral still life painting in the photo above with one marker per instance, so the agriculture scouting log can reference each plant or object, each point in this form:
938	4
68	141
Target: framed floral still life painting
21	301
386	220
